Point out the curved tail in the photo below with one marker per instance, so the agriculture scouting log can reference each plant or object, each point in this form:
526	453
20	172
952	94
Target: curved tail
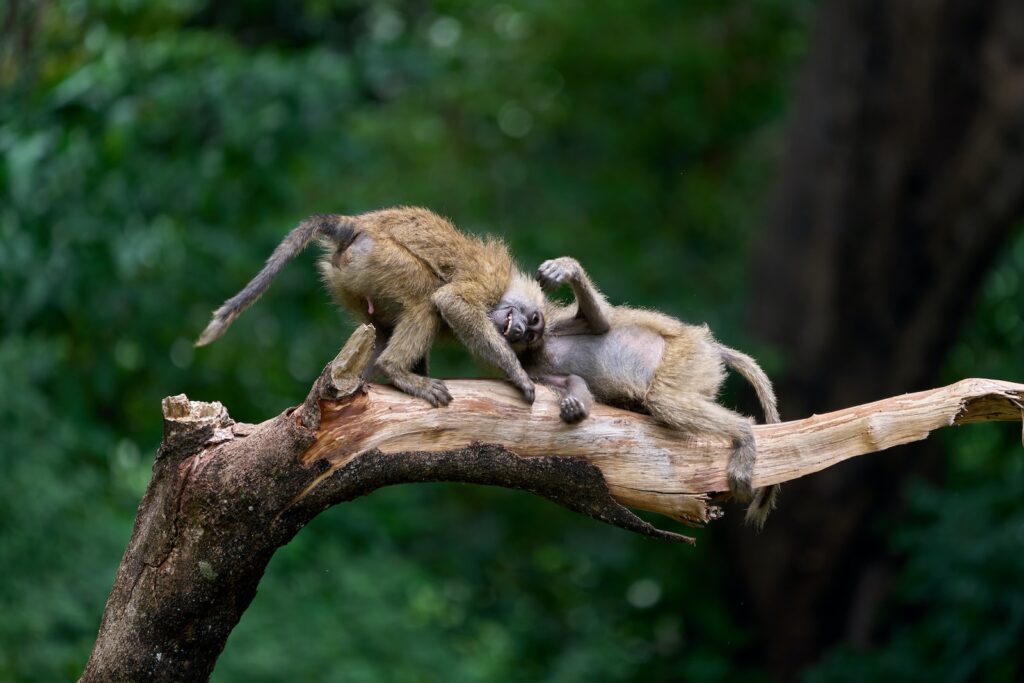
338	229
752	372
764	497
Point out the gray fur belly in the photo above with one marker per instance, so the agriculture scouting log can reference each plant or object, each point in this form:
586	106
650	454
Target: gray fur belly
618	365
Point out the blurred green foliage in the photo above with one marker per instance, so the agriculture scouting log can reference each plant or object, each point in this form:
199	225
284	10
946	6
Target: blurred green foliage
155	152
958	611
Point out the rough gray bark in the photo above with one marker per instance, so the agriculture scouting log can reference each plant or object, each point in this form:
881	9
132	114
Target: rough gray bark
904	177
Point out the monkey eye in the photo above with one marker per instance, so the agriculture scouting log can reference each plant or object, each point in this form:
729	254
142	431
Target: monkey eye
535	319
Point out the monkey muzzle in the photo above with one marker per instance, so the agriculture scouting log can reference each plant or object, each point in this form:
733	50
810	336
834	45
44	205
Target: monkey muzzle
518	327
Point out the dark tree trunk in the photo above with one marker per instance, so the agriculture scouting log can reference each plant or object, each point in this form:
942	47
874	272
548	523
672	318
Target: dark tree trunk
904	176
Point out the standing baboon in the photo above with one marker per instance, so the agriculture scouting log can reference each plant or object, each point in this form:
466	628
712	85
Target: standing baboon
407	271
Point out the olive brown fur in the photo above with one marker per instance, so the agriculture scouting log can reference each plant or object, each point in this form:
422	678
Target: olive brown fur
410	273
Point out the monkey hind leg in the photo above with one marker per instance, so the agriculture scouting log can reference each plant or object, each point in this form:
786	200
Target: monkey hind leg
695	413
408	346
741	475
574	397
380	342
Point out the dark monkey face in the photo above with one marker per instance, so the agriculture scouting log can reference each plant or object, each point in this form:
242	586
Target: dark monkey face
518	321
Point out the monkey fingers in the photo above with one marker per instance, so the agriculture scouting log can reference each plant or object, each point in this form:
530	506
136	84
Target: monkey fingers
526	386
571	409
555	272
433	391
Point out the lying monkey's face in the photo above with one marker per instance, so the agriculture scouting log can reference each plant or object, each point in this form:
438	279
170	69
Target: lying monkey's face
520	322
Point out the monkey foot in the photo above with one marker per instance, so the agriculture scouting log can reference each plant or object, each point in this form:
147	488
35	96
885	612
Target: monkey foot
572	409
739	486
435	393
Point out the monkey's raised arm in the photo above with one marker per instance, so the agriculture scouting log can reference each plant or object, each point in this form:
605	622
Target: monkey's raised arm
591	306
474	328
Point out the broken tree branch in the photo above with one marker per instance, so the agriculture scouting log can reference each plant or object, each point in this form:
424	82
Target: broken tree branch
224	496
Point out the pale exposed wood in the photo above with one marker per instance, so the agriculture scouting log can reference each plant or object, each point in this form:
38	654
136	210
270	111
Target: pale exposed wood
646	465
224	496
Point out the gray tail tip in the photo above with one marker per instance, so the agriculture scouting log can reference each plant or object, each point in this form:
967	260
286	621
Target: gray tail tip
214	330
762	505
756	516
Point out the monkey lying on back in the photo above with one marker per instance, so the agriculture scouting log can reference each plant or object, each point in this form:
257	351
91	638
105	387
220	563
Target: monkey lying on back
405	270
646	361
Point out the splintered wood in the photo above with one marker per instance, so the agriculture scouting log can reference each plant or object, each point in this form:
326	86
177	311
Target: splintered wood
646	465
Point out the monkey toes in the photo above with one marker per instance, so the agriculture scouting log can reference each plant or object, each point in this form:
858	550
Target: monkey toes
433	391
437	393
572	409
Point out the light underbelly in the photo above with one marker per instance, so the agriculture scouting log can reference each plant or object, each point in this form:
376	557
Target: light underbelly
618	365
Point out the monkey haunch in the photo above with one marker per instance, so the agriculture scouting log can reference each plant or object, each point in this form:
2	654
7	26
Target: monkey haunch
643	360
406	270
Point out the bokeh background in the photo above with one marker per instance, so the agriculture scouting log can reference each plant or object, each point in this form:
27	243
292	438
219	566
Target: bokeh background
836	187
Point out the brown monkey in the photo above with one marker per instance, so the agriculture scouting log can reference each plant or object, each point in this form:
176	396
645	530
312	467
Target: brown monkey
650	362
407	271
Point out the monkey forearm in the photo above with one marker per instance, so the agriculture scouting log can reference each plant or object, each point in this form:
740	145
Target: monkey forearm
589	302
475	330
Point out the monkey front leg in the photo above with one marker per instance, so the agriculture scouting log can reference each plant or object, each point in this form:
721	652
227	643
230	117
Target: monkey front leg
574	397
475	330
409	344
590	303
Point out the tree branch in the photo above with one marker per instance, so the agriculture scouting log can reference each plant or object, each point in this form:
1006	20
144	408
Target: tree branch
224	496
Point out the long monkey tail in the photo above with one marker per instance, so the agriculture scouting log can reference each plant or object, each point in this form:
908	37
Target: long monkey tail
764	497
752	372
338	229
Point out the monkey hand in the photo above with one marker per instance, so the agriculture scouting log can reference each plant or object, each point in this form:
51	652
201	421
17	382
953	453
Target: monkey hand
526	386
558	271
572	409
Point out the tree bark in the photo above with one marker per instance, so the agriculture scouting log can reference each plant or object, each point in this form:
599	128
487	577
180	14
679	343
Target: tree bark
903	179
224	496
